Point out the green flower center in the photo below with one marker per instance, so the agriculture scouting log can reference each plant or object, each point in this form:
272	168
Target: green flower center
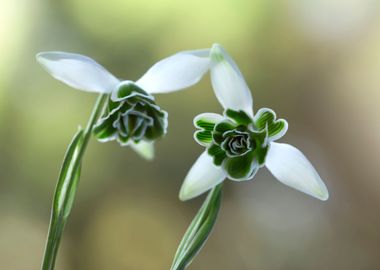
237	142
131	115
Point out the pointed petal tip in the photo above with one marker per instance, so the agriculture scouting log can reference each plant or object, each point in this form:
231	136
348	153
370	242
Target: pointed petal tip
228	83
290	166
50	55
78	71
40	57
184	195
144	149
322	194
217	53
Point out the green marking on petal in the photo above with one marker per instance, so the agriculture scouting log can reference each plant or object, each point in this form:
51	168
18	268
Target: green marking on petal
224	126
206	123
208	126
266	119
203	137
217	153
240	117
241	167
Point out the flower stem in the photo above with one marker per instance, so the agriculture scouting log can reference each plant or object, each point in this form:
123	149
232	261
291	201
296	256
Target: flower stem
67	185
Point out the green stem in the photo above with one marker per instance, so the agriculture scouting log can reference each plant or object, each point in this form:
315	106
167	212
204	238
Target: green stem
67	185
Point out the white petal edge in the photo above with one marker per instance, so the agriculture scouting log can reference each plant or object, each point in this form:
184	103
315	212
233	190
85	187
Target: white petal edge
77	71
176	72
293	169
203	176
229	84
144	149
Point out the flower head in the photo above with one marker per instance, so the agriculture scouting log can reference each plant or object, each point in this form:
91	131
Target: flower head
132	117
240	142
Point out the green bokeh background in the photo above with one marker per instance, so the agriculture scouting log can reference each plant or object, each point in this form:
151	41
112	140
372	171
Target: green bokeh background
316	63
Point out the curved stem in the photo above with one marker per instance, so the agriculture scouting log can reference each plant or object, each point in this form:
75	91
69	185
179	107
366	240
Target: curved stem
67	185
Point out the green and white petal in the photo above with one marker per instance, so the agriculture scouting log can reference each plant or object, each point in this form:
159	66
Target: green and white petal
203	176
176	72
205	122
78	71
266	119
229	85
144	149
293	169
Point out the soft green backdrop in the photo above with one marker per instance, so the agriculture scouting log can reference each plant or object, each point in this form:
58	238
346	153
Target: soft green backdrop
316	63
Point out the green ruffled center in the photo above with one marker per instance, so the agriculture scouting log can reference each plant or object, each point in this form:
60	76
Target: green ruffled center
237	142
131	116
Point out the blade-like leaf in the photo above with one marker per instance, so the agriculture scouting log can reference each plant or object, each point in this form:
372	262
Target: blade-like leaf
63	198
67	180
199	230
67	185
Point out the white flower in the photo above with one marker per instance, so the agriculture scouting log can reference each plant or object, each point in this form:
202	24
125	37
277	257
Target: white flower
174	73
239	142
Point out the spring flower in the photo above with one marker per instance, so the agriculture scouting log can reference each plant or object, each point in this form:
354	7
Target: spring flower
132	117
239	142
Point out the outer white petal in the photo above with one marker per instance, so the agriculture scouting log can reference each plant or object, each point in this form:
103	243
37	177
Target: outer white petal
292	168
203	176
144	149
176	72
78	71
229	85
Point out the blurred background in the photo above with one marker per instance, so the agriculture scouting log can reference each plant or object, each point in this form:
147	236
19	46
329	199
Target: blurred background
316	63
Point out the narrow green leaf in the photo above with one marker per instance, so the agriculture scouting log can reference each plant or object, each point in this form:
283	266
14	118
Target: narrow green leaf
199	230
63	199
67	185
67	177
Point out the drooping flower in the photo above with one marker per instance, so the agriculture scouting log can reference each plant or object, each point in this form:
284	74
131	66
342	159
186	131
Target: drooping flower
132	117
240	142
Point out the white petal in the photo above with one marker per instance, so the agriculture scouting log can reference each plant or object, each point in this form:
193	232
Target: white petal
176	72
203	176
229	85
292	168
78	71
144	149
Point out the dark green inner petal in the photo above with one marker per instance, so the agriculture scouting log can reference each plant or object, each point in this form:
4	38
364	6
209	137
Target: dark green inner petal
241	167
217	153
240	117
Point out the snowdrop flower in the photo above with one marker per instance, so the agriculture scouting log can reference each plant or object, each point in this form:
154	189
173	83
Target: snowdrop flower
132	117
240	142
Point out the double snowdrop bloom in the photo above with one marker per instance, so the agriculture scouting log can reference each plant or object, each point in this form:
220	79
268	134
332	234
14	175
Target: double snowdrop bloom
132	117
240	142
